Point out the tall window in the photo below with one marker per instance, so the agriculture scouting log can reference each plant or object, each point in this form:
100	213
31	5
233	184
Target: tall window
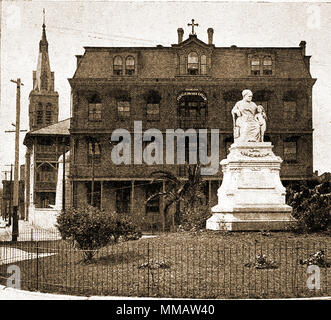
262	98
48	116
129	66
118	66
39	114
290	105
267	66
192	63
153	106
290	110
255	66
94	108
122	199
290	151
96	153
192	112
96	193
203	64
123	109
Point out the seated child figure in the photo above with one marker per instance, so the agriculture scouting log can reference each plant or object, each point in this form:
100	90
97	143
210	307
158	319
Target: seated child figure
261	117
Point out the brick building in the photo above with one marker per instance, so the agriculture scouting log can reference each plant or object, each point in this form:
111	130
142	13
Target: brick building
47	139
190	84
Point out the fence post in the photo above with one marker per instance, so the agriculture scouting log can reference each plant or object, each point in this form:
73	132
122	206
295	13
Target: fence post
37	271
148	268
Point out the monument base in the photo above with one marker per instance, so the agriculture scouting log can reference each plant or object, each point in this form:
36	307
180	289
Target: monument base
250	221
251	196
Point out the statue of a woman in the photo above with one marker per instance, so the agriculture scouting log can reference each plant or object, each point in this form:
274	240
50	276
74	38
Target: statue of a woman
245	127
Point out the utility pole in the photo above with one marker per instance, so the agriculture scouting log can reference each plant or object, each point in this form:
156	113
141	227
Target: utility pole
64	179
92	186
15	230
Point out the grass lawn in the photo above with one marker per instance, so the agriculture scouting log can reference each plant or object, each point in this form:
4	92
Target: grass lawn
192	265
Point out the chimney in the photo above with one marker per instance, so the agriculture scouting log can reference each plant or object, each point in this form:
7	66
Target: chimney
303	47
180	32
210	32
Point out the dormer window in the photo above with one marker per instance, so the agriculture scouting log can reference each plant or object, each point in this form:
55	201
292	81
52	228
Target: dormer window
193	63
255	66
129	66
267	66
118	66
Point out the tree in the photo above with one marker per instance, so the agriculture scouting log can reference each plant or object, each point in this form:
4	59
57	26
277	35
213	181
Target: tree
311	203
90	228
183	194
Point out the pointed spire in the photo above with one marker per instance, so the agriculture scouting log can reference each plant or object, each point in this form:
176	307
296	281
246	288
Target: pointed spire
43	42
43	74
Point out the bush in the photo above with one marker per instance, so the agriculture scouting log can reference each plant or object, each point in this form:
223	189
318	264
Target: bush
194	218
311	205
91	228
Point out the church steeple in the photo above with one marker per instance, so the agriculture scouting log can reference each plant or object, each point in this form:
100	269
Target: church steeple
44	78
43	107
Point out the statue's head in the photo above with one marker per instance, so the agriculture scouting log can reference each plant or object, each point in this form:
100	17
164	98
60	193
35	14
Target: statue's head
247	95
260	108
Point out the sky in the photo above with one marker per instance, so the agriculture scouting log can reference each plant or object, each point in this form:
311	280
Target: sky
71	25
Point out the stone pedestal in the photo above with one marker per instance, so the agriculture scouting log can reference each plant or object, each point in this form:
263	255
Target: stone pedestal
251	196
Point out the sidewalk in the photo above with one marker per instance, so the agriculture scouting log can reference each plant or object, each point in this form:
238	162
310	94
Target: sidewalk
27	232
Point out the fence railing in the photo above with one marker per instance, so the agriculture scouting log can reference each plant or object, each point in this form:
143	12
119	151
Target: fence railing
188	268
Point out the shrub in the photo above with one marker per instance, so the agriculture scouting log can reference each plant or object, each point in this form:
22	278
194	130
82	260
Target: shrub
91	228
311	205
194	218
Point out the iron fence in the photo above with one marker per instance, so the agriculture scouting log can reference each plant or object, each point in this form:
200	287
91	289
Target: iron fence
155	267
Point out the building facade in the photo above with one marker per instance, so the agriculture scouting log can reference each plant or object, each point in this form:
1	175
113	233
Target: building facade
190	84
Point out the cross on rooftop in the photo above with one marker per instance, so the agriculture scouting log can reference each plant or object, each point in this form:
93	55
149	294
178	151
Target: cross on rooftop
193	25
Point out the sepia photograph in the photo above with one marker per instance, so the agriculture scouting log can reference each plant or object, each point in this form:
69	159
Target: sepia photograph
177	151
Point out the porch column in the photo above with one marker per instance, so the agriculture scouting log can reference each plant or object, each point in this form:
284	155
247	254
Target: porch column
163	207
101	193
132	196
209	191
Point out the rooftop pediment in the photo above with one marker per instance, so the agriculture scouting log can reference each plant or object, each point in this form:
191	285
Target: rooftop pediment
192	40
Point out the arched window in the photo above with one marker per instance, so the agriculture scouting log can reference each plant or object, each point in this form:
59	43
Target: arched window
94	108
118	66
48	116
267	66
129	66
192	63
255	66
203	64
40	114
46	173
